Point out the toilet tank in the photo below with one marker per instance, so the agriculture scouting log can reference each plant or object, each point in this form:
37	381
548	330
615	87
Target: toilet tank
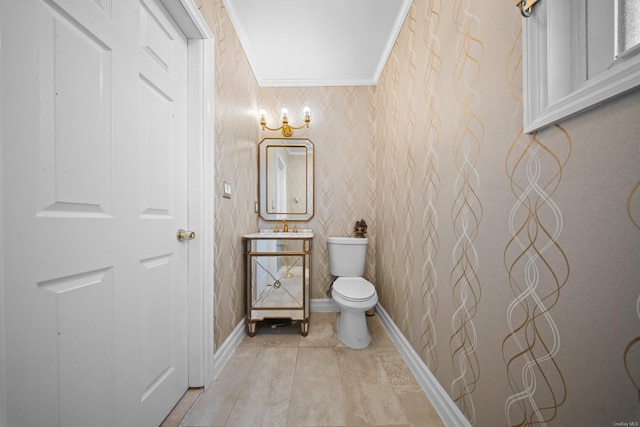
347	256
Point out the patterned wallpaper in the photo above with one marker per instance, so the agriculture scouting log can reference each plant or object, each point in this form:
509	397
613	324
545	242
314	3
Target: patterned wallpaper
343	132
509	261
236	153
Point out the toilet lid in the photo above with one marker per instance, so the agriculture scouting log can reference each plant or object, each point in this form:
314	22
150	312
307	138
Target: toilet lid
354	288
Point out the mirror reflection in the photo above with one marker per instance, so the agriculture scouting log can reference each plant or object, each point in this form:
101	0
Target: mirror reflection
286	179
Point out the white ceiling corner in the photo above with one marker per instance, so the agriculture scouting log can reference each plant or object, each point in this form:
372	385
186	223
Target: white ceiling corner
317	42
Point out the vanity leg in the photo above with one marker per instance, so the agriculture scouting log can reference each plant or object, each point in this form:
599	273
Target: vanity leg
304	325
251	328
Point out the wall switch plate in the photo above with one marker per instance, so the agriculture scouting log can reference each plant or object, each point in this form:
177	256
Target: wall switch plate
226	189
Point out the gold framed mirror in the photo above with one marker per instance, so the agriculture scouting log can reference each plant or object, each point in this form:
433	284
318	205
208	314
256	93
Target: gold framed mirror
285	179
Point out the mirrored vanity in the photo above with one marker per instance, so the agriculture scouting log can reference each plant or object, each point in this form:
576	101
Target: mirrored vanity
278	259
278	281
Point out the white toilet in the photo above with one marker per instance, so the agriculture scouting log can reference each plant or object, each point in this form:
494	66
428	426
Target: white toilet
353	294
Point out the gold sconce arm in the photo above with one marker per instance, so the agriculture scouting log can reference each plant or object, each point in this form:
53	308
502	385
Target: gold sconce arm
287	129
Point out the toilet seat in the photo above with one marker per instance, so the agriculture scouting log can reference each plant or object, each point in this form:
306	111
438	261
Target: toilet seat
355	289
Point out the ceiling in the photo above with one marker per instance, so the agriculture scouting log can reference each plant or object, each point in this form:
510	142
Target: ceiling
317	42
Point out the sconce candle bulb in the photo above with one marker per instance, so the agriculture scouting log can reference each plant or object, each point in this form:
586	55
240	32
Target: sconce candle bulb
287	130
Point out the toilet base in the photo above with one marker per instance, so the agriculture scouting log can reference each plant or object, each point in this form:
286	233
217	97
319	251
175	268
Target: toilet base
352	328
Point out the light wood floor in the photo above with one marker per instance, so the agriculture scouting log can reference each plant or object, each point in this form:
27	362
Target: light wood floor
279	378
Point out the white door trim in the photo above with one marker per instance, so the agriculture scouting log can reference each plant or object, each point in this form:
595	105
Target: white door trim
3	400
200	104
201	210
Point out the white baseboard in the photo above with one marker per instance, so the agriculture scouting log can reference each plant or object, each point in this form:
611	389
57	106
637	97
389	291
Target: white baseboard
442	403
224	353
324	305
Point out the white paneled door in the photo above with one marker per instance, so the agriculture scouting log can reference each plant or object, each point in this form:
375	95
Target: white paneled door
95	189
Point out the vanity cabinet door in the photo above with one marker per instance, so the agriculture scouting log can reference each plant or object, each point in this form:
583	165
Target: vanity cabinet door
276	282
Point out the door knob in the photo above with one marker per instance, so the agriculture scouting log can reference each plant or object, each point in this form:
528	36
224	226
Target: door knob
183	235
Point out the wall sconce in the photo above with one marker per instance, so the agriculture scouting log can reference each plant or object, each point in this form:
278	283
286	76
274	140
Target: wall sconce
287	130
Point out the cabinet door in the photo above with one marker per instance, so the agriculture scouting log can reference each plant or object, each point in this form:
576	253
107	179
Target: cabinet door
277	281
